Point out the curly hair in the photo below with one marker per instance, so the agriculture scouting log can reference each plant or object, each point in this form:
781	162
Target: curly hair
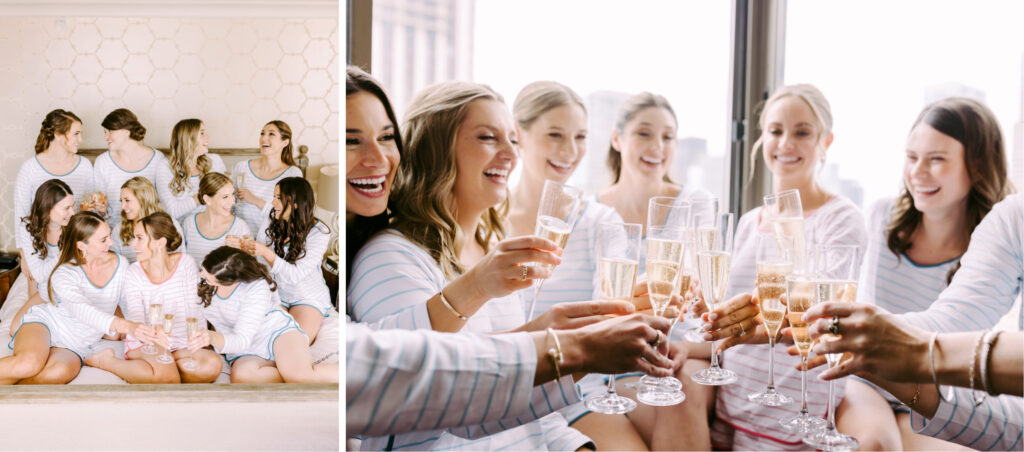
124	119
230	265
149	203
48	195
57	122
297	193
184	142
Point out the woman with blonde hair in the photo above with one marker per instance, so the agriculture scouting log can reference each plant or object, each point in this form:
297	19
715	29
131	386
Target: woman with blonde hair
178	182
256	178
215	226
446	247
168	279
126	158
137	200
84	290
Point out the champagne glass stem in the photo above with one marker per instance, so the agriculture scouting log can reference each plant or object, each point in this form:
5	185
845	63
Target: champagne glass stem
771	362
803	385
714	356
611	384
831	407
533	304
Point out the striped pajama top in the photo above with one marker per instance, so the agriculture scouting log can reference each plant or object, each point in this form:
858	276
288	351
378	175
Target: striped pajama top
179	205
108	178
198	245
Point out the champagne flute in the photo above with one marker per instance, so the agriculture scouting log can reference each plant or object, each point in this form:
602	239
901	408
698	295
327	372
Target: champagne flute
559	208
166	358
774	261
799	298
837	269
702	210
784	212
191	327
714	253
155	316
618	251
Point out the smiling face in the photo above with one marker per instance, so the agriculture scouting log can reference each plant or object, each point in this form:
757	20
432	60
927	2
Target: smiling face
371	155
485	153
203	146
98	243
792	139
222	201
555	143
141	243
73	138
130	204
280	213
271	143
61	212
935	171
647	144
116	139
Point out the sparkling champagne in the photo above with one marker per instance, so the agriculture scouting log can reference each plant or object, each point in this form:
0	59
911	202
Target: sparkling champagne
191	326
713	269
663	265
794	228
800	294
705	238
617	278
771	285
834	290
156	314
554	230
168	323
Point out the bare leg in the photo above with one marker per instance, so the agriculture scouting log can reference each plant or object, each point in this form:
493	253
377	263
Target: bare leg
31	350
916	441
61	367
295	362
253	369
139	368
677	427
33	300
864	414
209	362
610	431
309	319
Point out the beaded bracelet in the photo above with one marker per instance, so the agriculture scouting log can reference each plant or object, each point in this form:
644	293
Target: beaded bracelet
448	305
555	353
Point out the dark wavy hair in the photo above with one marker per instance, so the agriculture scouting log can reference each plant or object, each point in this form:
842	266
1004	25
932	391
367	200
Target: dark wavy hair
57	122
975	126
297	193
230	265
124	119
48	195
362	228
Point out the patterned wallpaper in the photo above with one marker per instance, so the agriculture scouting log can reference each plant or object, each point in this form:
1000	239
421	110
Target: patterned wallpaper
235	74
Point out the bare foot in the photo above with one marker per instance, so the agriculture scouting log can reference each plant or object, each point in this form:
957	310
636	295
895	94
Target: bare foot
96	360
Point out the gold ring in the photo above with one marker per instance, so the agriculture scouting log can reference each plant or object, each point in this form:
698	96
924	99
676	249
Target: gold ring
657	341
833	326
525	270
743	329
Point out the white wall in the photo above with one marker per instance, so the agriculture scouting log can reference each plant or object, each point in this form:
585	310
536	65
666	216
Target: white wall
229	65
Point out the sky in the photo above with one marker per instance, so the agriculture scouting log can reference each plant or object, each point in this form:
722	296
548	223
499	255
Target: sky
872	59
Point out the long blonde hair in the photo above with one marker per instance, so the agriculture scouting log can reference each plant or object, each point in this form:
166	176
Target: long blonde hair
81	226
184	142
149	204
423	200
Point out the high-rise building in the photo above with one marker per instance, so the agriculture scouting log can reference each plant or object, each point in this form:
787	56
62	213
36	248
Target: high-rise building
952	89
420	42
602	107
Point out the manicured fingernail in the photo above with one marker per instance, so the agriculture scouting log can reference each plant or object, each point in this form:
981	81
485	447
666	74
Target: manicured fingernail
706	336
712	317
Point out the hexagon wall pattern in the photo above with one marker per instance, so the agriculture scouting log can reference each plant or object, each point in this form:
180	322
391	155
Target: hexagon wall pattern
234	74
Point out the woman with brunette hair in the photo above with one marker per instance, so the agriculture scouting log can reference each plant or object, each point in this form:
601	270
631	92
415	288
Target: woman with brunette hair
209	229
177	182
52	208
262	343
446	252
373	148
138	200
126	158
56	158
293	244
256	178
84	290
165	278
954	172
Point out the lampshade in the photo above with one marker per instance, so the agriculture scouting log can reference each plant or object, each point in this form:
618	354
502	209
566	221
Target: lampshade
327	189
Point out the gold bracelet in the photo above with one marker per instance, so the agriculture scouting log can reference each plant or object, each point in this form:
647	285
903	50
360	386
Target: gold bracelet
448	305
555	353
917	392
970	370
